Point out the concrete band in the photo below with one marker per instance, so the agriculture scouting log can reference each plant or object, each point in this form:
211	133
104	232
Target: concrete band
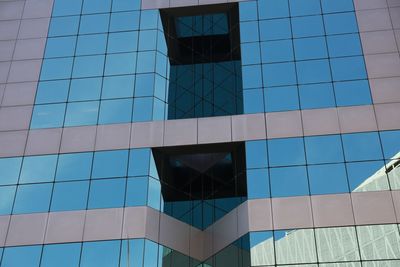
355	209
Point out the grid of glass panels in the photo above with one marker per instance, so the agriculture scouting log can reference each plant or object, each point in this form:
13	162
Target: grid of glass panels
275	168
105	62
367	246
328	164
123	253
301	54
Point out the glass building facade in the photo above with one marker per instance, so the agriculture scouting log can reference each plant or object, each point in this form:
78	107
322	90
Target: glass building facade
199	133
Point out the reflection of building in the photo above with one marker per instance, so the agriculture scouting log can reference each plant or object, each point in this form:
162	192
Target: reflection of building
152	133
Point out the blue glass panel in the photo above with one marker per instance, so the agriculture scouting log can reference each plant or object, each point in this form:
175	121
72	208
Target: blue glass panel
154	194
115	111
150	253
122	42
7	194
61	255
391	144
125	5
268	9
340	23
281	98
70	196
139	162
318	95
74	166
275	29
329	6
287	151
147	62
257	183
253	101
142	109
348	68
249	31
62	26
304	7
136	250
361	174
67	7
91	44
307	26
279	74
117	64
147	40
48	116
328	179
251	76
58	68
100	254
118	87
94	23
247	11
22	256
250	52
313	71
110	164
144	85
344	45
324	149
85	89
107	193
81	113
88	66
96	6
52	92
352	93
277	51
256	154
33	198
149	19
124	21
60	47
362	146
310	48
289	181
9	170
38	169
136	191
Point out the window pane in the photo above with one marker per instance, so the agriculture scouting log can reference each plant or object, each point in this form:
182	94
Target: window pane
124	21
48	116
9	170
75	166
337	244
287	151
70	196
88	66
318	95
7	194
256	154
38	169
82	113
262	248
257	183
91	44
122	42
379	242
136	192
100	254
281	98
110	164
328	179
268	9
367	176
94	24
85	89
52	92
324	149
304	8
115	111
136	251
108	193
21	256
362	146
118	87
60	47
301	243
61	255
56	68
289	181
33	198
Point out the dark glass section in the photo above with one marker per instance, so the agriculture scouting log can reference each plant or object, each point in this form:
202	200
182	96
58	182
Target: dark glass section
205	64
200	184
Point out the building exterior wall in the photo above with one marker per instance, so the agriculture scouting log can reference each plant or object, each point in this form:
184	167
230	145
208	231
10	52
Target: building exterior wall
78	182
